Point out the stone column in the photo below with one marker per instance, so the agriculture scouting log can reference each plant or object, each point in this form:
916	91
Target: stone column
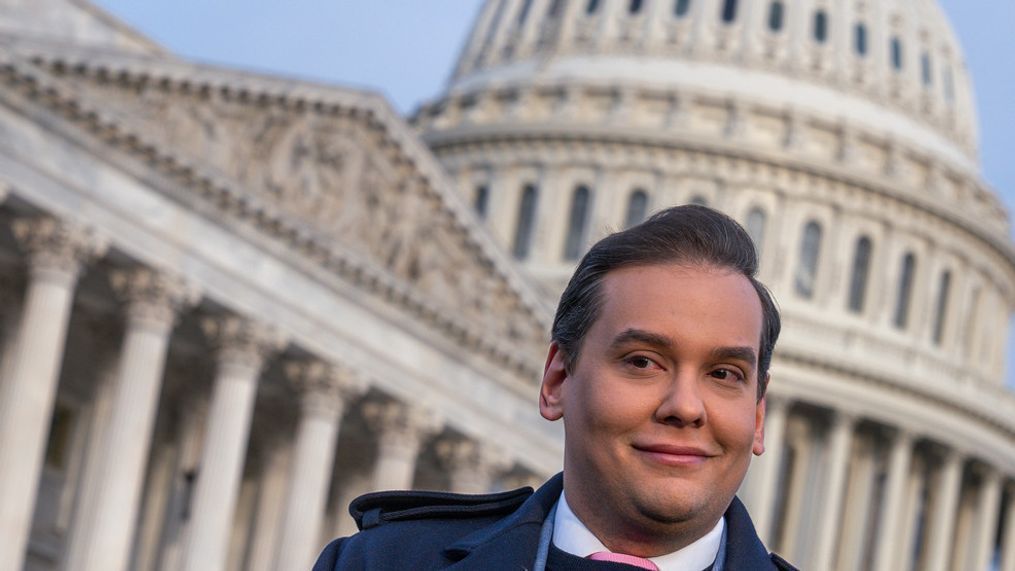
987	516
152	302
241	347
402	430
1008	541
942	520
325	390
839	445
764	474
270	506
471	465
55	253
858	504
891	540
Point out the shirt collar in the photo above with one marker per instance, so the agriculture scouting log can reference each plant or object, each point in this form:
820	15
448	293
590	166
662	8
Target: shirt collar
571	535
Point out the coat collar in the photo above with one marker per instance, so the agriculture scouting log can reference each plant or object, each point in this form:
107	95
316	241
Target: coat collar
511	543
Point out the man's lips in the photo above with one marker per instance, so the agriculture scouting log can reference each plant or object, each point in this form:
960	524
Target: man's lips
674	455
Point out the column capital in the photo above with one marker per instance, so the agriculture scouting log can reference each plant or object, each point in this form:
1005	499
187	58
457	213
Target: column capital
843	419
401	426
56	250
153	298
242	343
776	402
459	453
324	388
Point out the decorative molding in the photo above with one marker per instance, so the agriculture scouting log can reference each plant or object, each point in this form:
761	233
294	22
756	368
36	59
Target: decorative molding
509	326
324	388
153	298
56	250
242	343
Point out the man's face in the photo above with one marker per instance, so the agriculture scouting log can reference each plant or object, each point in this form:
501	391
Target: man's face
660	411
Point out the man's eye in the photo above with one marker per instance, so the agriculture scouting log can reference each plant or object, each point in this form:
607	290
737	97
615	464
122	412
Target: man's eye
727	375
641	362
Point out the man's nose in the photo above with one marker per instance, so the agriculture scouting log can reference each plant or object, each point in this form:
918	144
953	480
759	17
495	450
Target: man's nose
682	403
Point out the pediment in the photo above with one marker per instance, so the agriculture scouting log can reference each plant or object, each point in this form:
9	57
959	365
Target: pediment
340	163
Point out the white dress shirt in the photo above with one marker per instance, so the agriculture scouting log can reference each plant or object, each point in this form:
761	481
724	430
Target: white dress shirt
571	535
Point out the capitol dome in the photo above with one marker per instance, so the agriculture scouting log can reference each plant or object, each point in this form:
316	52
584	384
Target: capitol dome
842	134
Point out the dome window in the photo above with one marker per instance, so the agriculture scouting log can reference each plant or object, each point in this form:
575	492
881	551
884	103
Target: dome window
926	70
861	271
942	306
820	30
481	200
637	208
902	304
592	7
860	39
729	11
756	228
526	222
577	224
949	81
807	267
523	14
896	48
775	16
681	8
634	7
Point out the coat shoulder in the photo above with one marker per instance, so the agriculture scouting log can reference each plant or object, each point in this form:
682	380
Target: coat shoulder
379	508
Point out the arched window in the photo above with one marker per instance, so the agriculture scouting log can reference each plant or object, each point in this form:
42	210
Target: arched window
860	39
526	222
681	8
729	11
858	278
637	208
554	10
902	302
481	199
578	221
592	7
807	266
926	70
775	16
943	291
699	200
523	14
756	228
634	6
820	28
896	48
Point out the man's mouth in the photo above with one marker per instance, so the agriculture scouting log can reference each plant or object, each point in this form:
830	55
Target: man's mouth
674	455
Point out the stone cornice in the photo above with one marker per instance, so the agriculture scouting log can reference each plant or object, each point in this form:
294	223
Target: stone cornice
994	401
448	142
229	197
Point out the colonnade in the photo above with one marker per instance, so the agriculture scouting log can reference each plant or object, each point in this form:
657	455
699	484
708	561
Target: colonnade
838	491
190	496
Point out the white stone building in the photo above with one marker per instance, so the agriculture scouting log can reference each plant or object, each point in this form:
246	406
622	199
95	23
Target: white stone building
231	302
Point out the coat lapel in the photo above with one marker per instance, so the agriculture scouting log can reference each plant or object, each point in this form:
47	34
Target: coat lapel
511	543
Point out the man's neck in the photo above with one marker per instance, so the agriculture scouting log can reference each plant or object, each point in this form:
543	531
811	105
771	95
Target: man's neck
571	535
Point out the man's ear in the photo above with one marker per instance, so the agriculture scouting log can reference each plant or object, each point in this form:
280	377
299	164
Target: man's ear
759	424
551	392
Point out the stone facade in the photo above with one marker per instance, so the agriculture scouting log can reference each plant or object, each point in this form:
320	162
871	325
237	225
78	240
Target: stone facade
230	303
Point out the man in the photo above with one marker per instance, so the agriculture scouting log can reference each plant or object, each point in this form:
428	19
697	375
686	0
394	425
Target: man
658	367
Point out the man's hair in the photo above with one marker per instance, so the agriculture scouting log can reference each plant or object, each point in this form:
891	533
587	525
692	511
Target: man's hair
690	235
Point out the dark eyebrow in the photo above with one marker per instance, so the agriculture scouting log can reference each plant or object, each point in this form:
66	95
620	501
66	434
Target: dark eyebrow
736	353
642	336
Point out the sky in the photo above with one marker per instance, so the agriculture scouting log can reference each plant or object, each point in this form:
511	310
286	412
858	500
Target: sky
405	49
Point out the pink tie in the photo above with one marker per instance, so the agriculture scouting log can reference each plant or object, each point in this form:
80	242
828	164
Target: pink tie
625	559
